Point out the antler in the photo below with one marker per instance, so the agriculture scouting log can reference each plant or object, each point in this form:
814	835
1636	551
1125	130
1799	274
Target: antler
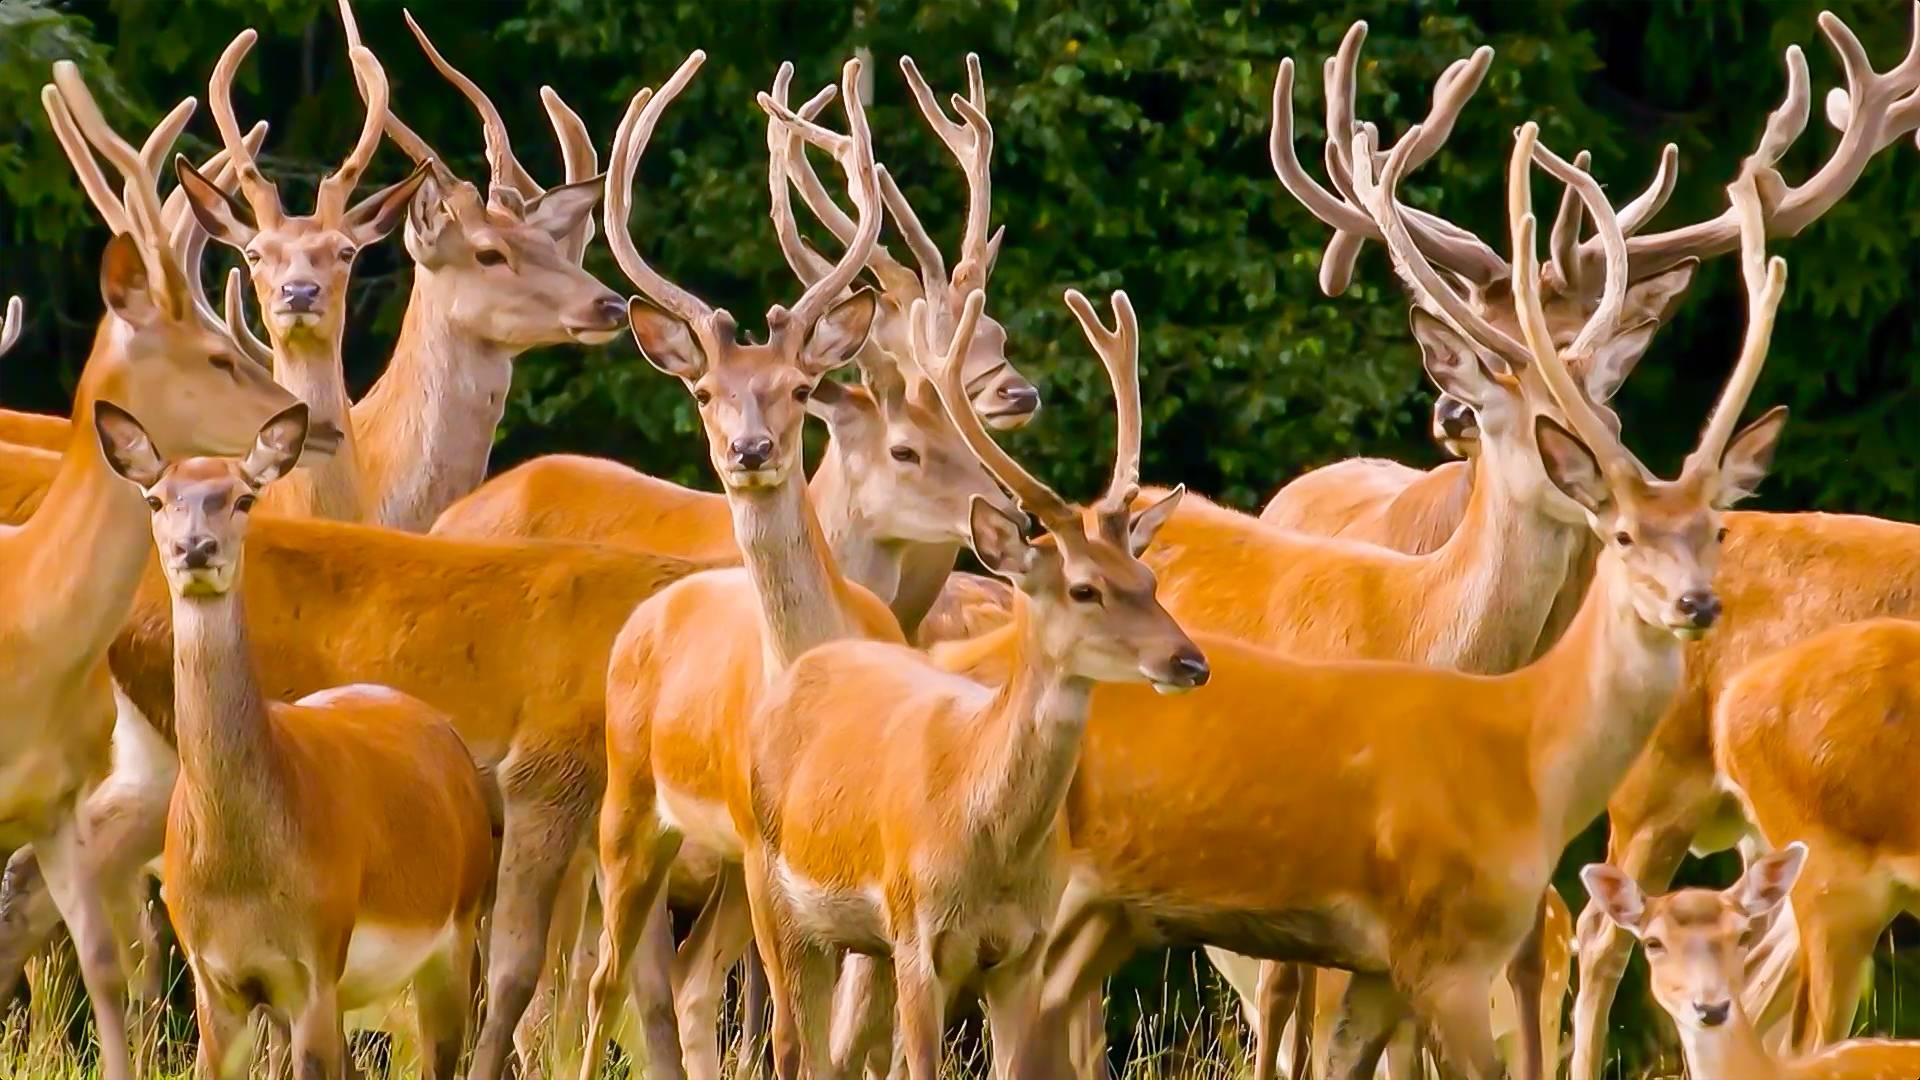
784	150
372	82
259	191
713	326
1119	351
403	136
970	140
505	169
854	151
944	370
581	160
187	239
1452	247
11	326
1766	281
238	328
1874	111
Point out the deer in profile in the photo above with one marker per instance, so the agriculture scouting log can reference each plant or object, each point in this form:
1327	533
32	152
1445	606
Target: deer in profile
323	855
1697	942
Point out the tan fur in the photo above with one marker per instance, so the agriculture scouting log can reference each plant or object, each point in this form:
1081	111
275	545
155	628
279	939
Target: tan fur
1375	501
35	430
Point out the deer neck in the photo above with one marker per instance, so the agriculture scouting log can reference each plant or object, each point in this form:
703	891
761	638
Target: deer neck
227	759
1596	697
1029	738
1732	1051
803	599
1491	585
85	548
426	428
309	365
862	555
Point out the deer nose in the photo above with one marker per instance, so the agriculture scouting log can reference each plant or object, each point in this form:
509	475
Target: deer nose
752	452
197	552
1713	1015
300	297
1190	667
1700	606
1020	397
1454	416
612	310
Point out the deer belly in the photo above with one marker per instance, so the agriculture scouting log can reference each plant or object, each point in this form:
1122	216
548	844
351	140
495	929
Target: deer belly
381	960
705	823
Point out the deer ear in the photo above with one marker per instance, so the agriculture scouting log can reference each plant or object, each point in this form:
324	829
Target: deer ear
560	212
840	333
427	215
225	218
666	341
1571	466
124	282
277	448
999	541
129	450
1617	894
1656	297
1147	522
1451	360
1767	882
1748	457
1615	360
378	213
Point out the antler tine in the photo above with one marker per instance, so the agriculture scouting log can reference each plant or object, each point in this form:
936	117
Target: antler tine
504	167
894	276
944	370
855	153
623	160
1874	111
933	265
970	141
371	79
1430	290
807	264
259	191
1612	455
1563	243
1766	281
139	201
12	325
174	214
1604	322
187	238
1641	210
92	180
238	328
153	152
1119	350
581	160
403	136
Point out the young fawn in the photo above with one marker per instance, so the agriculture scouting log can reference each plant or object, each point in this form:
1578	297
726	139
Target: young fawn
1697	942
320	856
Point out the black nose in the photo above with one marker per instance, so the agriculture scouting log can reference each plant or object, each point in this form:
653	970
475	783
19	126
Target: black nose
752	452
1700	606
300	296
1191	668
196	553
1021	397
612	310
1714	1015
1454	416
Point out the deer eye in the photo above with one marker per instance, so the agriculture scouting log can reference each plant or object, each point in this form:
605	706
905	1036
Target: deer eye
490	257
1084	594
221	363
1623	539
252	257
347	253
1655	945
905	453
702	396
244	503
1721	536
154	503
802	393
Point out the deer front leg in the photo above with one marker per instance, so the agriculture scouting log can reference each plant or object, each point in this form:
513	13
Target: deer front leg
29	921
1526	976
863	1011
1369	1012
319	1045
635	858
1453	1005
64	860
719	936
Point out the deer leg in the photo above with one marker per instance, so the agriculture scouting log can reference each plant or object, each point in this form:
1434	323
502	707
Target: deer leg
799	978
1090	939
319	1046
226	1036
1021	1049
29	921
1453	1005
549	1026
753	1014
720	934
635	858
1526	977
1275	994
1841	906
1300	1041
442	1000
863	1008
1649	855
1369	1012
922	1008
65	861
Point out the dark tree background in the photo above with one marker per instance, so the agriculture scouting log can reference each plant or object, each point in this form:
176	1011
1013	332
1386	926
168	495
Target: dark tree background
1131	151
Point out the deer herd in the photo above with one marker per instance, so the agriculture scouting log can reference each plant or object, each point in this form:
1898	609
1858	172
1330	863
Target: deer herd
388	731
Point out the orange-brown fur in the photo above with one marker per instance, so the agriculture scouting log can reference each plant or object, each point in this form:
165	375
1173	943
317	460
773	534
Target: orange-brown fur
1376	501
36	430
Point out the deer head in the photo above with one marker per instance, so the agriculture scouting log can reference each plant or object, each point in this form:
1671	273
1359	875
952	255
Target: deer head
201	505
505	267
161	349
1697	939
1090	600
299	264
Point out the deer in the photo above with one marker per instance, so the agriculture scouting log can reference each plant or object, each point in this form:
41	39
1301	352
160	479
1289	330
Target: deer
18	428
893	469
954	875
1808	740
671	706
321	855
159	352
300	266
1697	943
1551	755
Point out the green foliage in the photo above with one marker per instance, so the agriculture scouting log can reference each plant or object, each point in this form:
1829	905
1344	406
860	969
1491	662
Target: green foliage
1131	153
